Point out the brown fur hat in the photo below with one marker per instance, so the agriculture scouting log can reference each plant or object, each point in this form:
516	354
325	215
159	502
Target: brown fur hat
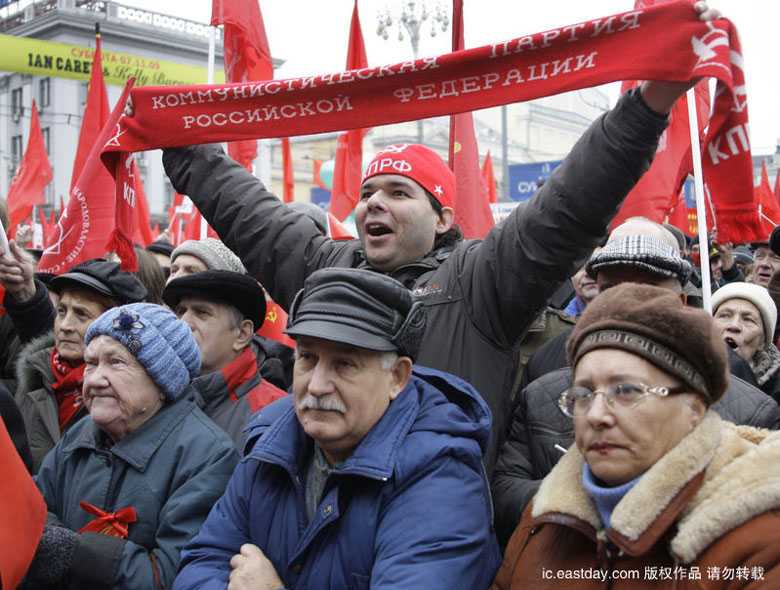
653	323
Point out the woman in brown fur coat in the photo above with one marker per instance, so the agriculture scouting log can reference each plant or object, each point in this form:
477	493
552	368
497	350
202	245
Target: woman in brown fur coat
657	491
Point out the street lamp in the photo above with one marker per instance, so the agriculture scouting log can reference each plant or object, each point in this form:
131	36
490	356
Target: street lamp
412	18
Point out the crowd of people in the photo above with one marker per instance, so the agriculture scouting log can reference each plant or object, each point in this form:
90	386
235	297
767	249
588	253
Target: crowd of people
439	423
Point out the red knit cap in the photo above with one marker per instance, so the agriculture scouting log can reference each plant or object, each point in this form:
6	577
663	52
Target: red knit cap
419	163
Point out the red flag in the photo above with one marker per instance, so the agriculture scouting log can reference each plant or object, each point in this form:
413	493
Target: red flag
275	323
155	232
348	170
316	180
143	222
678	216
289	177
654	194
45	228
489	179
192	227
174	219
22	512
472	210
247	56
85	224
336	229
726	157
96	113
768	210
31	178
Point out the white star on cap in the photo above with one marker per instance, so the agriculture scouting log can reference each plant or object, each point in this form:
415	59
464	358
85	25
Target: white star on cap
438	190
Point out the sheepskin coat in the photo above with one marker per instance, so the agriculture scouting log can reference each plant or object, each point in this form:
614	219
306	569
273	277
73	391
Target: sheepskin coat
710	502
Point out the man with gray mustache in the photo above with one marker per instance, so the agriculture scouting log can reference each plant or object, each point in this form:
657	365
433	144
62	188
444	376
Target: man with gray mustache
370	474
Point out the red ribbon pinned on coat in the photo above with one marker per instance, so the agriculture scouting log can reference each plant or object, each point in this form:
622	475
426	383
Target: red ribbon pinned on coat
113	524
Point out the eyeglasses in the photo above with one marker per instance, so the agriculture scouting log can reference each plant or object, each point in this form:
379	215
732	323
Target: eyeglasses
577	400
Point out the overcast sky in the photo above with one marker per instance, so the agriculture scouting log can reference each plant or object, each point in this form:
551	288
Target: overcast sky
311	36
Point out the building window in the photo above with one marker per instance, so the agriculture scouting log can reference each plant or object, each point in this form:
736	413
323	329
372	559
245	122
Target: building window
46	139
17	108
44	92
16	150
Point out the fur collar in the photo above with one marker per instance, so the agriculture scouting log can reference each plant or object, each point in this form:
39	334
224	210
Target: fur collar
33	366
765	363
738	484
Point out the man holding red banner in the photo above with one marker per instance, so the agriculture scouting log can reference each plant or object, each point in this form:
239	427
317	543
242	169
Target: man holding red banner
480	296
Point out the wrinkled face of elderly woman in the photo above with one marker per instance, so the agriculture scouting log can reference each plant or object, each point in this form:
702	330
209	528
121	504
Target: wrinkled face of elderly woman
623	437
741	327
118	392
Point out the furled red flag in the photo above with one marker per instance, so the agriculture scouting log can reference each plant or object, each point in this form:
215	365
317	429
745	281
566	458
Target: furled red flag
768	209
96	113
348	170
85	225
155	232
247	56
32	176
143	222
316	180
22	512
472	209
489	178
288	176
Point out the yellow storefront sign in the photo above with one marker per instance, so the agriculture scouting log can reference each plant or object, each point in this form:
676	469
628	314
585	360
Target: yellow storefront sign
61	60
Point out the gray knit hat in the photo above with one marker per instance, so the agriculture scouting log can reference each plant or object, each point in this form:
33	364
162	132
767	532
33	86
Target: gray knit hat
214	254
644	252
163	344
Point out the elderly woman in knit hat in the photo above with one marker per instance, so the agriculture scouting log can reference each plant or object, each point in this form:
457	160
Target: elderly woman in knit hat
657	489
131	483
746	316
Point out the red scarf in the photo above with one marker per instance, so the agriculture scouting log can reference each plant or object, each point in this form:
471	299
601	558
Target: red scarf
67	388
666	42
113	524
239	371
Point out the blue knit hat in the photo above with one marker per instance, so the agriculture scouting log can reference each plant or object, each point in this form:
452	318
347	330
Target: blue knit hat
163	344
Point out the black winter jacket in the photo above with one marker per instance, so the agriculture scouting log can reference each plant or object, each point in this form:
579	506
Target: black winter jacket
480	296
538	425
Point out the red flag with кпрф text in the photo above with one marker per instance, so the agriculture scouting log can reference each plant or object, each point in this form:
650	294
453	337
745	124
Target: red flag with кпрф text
348	170
472	210
726	157
247	56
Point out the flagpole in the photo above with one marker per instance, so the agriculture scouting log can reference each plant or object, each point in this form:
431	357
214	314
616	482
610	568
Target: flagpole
701	212
204	228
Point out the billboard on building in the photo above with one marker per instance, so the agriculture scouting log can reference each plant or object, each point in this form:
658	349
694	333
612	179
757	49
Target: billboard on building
61	60
524	178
